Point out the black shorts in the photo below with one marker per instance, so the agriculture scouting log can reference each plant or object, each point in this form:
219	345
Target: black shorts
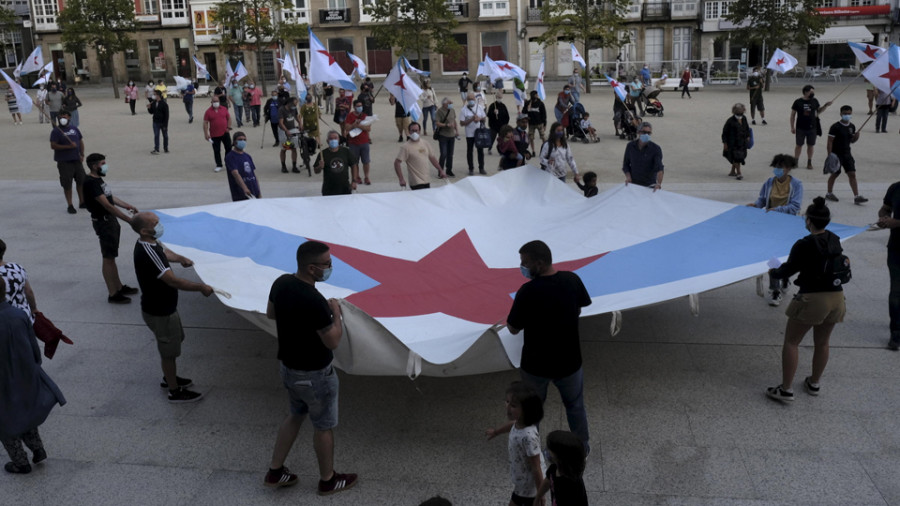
108	231
69	171
808	136
847	163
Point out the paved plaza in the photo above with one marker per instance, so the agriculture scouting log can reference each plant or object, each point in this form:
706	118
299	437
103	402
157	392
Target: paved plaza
676	402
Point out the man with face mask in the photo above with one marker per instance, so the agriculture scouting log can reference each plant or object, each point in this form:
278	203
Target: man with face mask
547	308
105	216
806	111
309	327
41	101
471	116
336	161
241	170
358	143
289	126
417	153
68	153
187	96
255	95
216	125
755	87
236	97
160	111
498	117
270	111
159	300
643	160
54	102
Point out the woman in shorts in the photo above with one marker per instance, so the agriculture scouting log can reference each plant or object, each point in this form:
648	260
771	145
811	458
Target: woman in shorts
819	303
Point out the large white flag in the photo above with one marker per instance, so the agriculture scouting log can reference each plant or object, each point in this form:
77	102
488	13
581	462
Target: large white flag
511	70
323	68
359	66
22	97
229	72
240	72
202	73
883	73
181	83
288	66
403	88
576	56
34	62
490	68
17	72
540	82
781	61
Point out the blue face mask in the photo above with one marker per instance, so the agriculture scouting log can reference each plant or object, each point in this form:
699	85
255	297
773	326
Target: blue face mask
326	273
449	106
333	143
241	144
158	230
526	272
471	103
846	118
359	110
104	169
779	172
645	138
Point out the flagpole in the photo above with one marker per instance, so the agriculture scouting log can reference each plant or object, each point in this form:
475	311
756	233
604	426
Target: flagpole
893	89
846	87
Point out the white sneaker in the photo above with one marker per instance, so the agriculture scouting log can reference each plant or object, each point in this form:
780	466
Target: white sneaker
774	298
217	169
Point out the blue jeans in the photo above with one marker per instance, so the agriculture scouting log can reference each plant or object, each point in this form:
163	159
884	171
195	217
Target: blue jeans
428	112
571	390
446	145
893	262
881	117
254	113
189	109
239	114
157	128
314	393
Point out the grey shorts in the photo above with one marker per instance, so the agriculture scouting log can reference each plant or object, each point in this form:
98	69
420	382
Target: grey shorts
168	331
360	152
806	136
314	393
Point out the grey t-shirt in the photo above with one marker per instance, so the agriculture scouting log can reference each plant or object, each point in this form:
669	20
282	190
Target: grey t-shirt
54	98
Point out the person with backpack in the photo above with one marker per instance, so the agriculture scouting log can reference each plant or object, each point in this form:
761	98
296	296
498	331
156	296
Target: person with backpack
818	305
556	155
889	217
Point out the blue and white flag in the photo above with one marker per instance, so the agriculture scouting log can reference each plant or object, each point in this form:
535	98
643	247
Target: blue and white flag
323	68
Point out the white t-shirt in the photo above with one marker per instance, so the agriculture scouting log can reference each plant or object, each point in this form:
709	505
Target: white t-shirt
523	444
467	112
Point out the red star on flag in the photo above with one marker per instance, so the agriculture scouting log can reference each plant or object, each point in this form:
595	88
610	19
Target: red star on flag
614	83
400	82
505	66
452	279
330	58
871	51
780	61
893	74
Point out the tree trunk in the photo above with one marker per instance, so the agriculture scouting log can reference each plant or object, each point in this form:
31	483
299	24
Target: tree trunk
112	71
587	69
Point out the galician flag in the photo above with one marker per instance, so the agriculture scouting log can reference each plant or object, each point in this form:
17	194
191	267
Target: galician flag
490	68
45	74
576	57
403	88
413	69
240	72
511	70
781	61
34	62
228	73
288	66
22	97
884	72
539	85
866	52
202	73
323	68
617	87
359	66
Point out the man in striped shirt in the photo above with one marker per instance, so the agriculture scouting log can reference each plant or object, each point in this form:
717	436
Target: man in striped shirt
159	300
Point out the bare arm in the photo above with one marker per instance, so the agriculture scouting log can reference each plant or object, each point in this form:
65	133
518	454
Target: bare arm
503	429
111	209
331	336
793	117
398	168
174	281
830	143
534	462
29	297
270	310
437	165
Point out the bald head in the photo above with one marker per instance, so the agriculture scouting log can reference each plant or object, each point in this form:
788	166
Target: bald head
143	224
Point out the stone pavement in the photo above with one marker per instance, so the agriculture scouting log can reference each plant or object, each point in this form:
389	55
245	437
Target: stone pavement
675	402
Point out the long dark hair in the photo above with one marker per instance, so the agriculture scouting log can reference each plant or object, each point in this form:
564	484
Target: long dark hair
562	140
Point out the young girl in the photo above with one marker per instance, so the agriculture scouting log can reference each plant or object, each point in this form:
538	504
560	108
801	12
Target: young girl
525	410
564	474
506	148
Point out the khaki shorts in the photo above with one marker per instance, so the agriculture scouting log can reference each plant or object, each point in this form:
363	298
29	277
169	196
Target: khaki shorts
168	331
817	308
402	124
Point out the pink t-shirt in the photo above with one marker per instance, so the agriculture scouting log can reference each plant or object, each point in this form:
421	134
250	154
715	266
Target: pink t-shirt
218	119
255	96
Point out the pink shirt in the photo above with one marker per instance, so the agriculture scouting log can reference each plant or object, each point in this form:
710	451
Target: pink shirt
218	119
255	96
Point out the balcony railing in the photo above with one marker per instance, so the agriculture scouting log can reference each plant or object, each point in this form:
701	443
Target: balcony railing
656	11
534	14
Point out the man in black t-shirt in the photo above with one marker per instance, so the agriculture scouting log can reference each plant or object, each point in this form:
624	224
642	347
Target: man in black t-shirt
806	110
547	309
309	328
159	300
840	136
105	216
336	161
889	217
463	86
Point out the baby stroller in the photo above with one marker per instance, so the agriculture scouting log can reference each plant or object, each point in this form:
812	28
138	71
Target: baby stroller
654	107
624	116
576	115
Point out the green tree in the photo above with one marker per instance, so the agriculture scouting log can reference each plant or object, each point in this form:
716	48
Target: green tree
775	24
7	25
414	26
104	25
253	25
595	24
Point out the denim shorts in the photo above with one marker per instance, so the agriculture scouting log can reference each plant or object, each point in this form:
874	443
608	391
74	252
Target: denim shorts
314	393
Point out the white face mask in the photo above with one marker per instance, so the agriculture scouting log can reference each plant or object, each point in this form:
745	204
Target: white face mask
63	121
414	136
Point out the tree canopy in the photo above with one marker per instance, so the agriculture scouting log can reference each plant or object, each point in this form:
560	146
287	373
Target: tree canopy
592	23
254	25
414	26
104	25
776	23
